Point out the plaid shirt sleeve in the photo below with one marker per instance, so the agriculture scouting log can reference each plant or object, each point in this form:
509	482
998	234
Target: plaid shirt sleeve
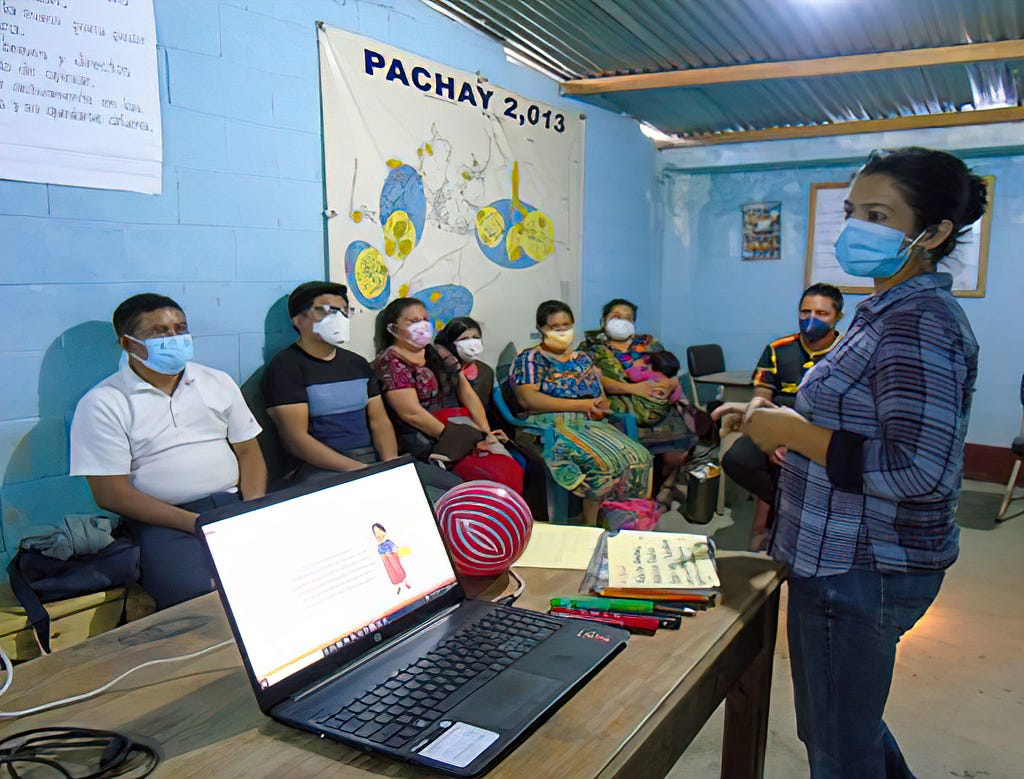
918	381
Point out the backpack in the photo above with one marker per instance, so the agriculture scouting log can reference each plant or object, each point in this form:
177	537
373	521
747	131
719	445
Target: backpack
37	578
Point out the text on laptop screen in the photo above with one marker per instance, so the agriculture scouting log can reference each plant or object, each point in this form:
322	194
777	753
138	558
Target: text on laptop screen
308	575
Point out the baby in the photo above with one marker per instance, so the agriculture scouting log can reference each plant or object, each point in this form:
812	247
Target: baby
657	366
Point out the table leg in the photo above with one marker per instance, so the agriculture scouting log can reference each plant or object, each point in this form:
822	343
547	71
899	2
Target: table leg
725	441
747	706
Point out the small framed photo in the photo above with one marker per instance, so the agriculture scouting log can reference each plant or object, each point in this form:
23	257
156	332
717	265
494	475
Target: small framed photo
762	230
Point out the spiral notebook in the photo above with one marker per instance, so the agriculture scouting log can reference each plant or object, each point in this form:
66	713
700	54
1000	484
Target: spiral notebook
654	566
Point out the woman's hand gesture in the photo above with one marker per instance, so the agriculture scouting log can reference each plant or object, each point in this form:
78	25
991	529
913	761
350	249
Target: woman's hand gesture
599	409
734	416
650	389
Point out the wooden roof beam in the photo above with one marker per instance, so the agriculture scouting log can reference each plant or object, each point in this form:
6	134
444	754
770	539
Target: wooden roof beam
918	122
825	66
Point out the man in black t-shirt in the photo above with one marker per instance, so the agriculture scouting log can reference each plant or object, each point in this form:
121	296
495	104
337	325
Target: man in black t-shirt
785	360
324	399
777	377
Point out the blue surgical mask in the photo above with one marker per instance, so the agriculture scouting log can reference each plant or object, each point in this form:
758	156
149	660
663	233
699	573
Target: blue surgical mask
814	329
166	355
872	250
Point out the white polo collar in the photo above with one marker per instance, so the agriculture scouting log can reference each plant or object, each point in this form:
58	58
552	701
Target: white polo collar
133	382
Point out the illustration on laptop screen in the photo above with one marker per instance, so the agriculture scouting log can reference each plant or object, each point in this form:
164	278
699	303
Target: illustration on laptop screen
363	552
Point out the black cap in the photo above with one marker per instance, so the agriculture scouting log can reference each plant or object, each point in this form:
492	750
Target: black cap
302	296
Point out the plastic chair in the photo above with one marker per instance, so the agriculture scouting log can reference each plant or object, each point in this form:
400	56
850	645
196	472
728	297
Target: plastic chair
700	361
503	398
1017	447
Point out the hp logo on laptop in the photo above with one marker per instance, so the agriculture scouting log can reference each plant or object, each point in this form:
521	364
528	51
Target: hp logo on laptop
376	637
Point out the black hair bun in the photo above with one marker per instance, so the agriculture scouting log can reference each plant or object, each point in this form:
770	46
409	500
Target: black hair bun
975	201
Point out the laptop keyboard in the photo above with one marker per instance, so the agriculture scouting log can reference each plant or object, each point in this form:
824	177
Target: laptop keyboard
396	711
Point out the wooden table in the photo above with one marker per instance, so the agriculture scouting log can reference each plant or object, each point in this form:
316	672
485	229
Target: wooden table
634	719
738	385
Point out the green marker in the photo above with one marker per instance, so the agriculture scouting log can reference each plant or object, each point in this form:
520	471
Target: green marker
597	603
621	605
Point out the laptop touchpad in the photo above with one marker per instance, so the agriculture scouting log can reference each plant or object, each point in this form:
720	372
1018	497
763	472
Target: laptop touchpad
509	699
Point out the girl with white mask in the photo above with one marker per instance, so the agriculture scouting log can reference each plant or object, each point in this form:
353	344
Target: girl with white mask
463	336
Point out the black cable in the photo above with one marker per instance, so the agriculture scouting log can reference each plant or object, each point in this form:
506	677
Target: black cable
103	754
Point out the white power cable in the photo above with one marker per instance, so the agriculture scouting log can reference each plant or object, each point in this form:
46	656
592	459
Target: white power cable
9	668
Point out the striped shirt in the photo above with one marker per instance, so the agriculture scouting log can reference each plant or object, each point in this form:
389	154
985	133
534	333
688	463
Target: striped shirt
897	392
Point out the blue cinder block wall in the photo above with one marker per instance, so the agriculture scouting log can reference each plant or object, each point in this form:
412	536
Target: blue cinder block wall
239	222
712	296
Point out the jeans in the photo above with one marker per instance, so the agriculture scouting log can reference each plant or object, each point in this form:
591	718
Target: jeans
843	632
750	468
173	563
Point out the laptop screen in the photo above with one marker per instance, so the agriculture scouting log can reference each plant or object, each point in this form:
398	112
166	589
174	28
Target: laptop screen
308	576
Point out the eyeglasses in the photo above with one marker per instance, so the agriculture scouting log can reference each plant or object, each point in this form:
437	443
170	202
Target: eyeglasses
163	332
326	310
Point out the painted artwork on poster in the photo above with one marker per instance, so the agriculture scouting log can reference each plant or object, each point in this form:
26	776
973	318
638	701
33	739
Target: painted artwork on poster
446	187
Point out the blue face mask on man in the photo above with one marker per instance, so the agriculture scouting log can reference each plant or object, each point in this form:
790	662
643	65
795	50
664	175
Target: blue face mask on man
872	250
166	355
814	329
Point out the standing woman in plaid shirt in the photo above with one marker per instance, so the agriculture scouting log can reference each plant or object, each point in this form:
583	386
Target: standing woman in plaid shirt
872	458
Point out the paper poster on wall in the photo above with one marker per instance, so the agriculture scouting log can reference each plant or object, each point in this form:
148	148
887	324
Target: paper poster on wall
448	188
79	95
762	230
968	263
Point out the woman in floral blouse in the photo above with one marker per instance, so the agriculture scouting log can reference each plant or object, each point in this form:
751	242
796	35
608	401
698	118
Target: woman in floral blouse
617	349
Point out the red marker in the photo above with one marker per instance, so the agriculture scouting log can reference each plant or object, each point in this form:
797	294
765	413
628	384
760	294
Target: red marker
628	621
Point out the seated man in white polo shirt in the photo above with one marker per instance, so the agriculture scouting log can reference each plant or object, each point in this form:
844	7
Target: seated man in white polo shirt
163	439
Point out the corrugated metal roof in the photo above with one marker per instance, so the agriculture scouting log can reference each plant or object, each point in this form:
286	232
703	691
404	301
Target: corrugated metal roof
576	39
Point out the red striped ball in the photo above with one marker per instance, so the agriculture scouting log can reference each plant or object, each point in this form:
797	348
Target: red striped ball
485	525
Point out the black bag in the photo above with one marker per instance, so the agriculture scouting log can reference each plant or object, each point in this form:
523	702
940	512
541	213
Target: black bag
455	442
698	421
37	579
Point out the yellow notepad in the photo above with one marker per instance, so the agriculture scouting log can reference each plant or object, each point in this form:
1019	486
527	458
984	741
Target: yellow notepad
560	546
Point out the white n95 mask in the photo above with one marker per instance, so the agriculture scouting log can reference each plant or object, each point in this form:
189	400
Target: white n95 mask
334	329
469	348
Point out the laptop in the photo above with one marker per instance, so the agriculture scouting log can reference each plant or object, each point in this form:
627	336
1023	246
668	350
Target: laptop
352	624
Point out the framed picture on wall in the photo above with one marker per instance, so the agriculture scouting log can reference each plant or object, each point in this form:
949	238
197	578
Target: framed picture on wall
968	263
762	231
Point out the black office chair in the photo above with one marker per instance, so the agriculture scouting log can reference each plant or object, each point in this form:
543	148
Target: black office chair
281	466
700	361
1017	447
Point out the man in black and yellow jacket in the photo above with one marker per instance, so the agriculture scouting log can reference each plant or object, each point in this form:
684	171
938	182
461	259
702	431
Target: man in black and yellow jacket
784	361
777	377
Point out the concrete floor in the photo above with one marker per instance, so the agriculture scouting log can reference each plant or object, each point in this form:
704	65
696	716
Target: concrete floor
957	701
